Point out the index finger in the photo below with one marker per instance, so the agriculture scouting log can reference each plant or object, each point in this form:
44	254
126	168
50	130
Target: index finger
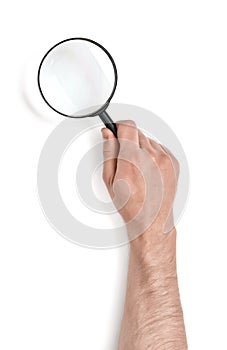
127	130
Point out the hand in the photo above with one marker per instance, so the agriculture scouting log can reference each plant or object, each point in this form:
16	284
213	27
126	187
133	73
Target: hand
141	177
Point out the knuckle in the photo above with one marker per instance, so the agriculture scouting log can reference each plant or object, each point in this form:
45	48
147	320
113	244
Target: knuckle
174	160
123	123
130	122
166	160
176	165
130	157
126	121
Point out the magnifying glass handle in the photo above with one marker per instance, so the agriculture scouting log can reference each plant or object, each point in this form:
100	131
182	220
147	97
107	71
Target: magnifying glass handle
109	123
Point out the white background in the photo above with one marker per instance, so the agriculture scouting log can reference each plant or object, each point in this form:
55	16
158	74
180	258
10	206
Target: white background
171	58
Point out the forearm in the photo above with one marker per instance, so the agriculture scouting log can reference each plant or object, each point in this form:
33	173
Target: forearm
153	317
141	176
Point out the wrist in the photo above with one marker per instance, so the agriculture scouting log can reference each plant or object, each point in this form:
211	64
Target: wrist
155	251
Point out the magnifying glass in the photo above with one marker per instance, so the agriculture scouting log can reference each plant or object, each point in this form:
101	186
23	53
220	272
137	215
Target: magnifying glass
77	78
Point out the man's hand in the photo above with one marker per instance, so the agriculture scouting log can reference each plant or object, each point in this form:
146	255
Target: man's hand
141	177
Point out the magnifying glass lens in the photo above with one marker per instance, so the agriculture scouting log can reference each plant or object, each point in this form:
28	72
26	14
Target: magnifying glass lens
77	78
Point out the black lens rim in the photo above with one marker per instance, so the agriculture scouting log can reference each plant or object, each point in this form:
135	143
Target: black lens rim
105	105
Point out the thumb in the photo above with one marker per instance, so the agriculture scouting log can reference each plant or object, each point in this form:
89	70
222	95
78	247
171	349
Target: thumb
110	153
